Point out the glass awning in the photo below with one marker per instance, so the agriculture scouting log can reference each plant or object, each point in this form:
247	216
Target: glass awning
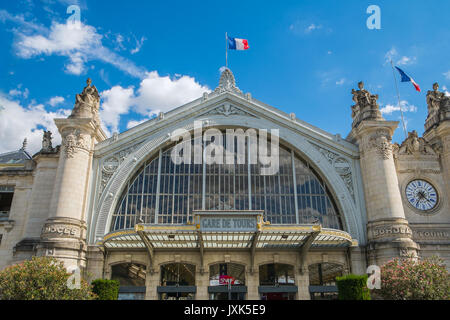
191	237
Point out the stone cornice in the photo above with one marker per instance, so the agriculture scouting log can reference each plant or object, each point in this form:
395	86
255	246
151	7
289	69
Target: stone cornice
368	126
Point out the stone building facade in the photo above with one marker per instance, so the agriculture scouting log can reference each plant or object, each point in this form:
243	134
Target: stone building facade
121	208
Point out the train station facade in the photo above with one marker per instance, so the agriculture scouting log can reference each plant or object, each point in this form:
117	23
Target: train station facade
227	197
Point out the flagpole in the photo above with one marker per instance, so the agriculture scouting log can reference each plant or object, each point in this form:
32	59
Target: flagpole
398	96
226	49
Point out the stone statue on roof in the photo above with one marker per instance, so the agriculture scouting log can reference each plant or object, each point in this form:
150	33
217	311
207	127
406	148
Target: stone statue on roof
87	104
366	106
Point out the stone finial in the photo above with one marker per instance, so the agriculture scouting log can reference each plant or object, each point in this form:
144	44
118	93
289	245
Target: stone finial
24	144
438	107
366	106
227	83
87	104
47	142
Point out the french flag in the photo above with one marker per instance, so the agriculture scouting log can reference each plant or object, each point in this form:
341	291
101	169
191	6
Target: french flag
406	78
237	44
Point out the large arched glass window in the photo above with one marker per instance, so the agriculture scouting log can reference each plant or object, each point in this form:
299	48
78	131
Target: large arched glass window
163	192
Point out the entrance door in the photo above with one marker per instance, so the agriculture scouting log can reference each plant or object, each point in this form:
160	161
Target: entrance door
177	282
227	282
277	282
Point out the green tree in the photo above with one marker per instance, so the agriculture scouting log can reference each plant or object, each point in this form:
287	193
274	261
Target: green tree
106	289
41	278
352	287
409	279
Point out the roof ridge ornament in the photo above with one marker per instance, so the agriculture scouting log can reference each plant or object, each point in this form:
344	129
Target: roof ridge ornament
227	83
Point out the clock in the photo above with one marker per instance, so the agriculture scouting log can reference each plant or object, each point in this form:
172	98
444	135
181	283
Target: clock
421	195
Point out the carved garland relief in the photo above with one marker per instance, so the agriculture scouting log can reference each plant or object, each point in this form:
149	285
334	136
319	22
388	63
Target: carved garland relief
73	141
111	164
341	166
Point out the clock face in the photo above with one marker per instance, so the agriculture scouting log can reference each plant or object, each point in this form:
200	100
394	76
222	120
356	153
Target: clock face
421	195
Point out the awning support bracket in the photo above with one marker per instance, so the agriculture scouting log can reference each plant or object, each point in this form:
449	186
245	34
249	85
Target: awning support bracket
307	245
149	247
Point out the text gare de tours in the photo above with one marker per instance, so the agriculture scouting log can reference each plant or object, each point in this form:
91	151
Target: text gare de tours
215	153
229	223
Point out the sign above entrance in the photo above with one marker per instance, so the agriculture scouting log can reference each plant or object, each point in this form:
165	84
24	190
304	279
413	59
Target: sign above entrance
228	221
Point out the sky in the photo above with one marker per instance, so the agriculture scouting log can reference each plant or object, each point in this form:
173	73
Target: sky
150	56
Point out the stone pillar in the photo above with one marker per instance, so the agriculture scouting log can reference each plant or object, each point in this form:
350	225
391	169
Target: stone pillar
41	195
64	233
252	282
388	232
202	283
152	281
302	282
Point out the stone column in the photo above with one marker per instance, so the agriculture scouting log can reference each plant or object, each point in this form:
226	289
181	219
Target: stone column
252	282
302	282
202	283
152	281
388	232
64	233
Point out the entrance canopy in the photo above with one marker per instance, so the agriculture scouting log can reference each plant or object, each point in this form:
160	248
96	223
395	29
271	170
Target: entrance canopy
226	230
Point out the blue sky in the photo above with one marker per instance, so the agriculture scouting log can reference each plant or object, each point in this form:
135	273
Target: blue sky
146	56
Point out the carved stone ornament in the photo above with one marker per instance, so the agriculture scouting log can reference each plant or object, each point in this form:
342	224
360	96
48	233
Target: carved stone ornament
438	107
73	141
112	163
227	83
413	145
47	142
381	142
341	166
87	104
227	110
366	106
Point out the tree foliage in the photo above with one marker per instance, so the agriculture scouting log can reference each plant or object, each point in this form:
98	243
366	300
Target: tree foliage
408	279
41	278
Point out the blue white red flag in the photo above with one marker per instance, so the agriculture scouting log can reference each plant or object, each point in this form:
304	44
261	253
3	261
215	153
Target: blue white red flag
237	44
406	78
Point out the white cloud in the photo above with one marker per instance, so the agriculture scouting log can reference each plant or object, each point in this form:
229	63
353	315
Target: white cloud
312	27
340	82
134	123
55	101
402	61
447	74
406	107
18	122
155	93
116	102
80	43
446	92
139	44
162	93
406	61
18	93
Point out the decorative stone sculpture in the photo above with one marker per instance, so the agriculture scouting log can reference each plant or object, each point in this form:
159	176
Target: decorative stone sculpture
87	103
415	145
227	83
381	141
434	99
366	106
438	107
73	141
47	142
